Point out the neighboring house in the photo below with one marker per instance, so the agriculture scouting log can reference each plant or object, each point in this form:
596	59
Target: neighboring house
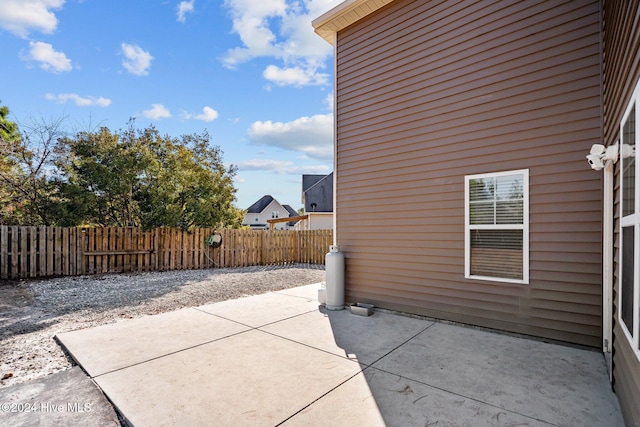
462	191
317	198
265	209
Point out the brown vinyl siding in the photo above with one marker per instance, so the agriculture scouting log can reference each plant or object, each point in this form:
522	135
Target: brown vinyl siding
621	43
431	91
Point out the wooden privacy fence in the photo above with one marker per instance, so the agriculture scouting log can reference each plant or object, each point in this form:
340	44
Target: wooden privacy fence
63	251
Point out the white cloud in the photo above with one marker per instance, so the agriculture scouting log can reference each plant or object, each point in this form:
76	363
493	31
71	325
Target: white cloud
22	16
157	111
294	76
281	167
208	115
48	57
183	8
88	101
263	165
282	30
312	136
329	101
251	23
136	60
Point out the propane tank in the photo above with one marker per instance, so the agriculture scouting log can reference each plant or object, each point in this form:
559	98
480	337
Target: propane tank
334	268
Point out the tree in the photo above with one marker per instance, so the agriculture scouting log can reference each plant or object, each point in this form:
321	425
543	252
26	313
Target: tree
8	129
25	168
125	178
138	177
8	137
100	174
186	184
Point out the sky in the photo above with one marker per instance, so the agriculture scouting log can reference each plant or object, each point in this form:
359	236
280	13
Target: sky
252	73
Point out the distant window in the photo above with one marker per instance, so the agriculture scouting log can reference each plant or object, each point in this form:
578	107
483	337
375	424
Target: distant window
274	214
257	219
628	303
497	226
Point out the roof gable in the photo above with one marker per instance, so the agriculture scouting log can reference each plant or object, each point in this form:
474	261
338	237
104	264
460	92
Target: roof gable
260	205
292	212
318	197
343	15
309	181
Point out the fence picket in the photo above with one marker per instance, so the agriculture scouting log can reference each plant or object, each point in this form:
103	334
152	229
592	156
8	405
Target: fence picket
102	238
4	252
14	249
125	245
144	241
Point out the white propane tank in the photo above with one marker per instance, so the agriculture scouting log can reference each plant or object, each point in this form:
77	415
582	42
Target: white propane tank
334	268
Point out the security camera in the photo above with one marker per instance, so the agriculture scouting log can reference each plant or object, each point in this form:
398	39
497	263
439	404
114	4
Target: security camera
595	161
600	154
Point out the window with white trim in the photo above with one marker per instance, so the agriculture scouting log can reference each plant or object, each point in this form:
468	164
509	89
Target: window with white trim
497	226
628	304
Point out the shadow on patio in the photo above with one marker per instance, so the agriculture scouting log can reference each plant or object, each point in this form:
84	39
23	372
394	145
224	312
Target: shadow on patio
421	373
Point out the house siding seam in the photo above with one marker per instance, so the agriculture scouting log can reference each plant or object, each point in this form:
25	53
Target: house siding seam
431	91
621	44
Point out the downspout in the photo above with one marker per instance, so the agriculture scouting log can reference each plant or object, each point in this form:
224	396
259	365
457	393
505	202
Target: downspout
607	267
602	157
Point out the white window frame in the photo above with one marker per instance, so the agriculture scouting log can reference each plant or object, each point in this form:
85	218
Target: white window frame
524	227
633	337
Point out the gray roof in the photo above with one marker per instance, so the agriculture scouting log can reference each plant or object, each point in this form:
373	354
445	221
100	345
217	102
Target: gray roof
260	205
318	193
292	212
309	181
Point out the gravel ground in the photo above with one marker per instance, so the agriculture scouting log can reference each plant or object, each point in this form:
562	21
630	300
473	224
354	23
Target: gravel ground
33	312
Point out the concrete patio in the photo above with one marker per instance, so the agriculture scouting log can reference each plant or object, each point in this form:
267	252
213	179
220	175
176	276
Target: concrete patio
280	359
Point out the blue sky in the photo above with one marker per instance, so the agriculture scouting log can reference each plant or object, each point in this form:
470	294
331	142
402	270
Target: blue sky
250	72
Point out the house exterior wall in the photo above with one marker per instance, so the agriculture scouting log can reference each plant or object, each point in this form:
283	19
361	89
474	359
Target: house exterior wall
316	221
621	44
429	92
251	219
321	221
